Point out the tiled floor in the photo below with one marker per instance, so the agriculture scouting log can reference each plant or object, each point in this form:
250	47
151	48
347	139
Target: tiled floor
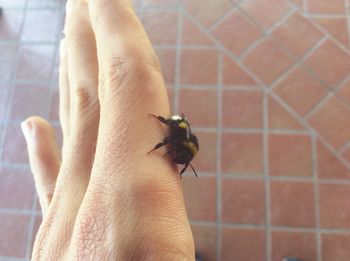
266	85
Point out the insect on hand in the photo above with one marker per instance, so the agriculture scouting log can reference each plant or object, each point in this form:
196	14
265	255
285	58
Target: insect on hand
183	144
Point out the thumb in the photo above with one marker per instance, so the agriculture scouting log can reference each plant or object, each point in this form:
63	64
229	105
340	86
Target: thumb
44	157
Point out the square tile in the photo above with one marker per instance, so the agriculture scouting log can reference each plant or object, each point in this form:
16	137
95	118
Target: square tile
295	28
335	247
268	61
200	197
29	100
297	244
344	92
207	11
13	235
36	27
10	25
334	206
200	107
159	2
346	154
290	155
243	201
300	90
205	160
328	165
4	99
331	121
330	63
292	204
35	62
167	61
257	9
37	223
242	33
243	244
242	153
280	118
205	240
161	26
242	109
325	6
199	66
234	74
192	34
15	148
7	60
16	188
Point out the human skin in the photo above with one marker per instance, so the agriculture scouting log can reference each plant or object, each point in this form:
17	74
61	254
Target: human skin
105	198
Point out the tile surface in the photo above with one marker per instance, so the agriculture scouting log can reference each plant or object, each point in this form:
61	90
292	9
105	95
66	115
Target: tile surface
266	87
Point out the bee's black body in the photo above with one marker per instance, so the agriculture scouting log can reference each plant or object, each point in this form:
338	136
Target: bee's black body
183	144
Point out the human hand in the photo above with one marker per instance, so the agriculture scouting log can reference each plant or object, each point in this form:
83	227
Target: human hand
107	199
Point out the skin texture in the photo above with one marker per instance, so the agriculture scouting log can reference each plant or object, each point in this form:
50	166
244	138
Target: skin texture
105	198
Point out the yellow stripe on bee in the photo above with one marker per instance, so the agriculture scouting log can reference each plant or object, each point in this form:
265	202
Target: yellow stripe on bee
190	145
183	125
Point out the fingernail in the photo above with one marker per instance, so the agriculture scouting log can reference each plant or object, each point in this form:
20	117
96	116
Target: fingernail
27	129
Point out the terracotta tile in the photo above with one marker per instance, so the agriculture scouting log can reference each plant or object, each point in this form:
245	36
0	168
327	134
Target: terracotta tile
29	100
301	91
243	244
37	223
160	2
11	21
334	206
298	3
295	28
330	63
58	134
13	235
205	240
290	155
199	106
335	247
243	201
161	26
331	122
233	74
205	160
242	153
16	188
15	148
280	118
200	197
35	62
268	61
242	109
344	92
167	62
326	7
242	33
337	27
54	107
4	96
328	166
207	11
346	155
7	60
297	244
199	66
292	204
192	34
257	9
37	29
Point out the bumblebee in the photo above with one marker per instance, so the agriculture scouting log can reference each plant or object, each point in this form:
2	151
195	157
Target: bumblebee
183	144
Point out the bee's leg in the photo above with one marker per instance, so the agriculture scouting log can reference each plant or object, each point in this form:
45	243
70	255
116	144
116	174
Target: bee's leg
160	144
184	169
162	120
195	173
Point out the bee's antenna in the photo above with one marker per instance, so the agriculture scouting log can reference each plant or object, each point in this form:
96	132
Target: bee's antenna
195	173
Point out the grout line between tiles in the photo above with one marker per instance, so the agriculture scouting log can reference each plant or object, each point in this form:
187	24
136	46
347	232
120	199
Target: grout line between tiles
218	158
266	178
324	16
178	60
316	194
221	19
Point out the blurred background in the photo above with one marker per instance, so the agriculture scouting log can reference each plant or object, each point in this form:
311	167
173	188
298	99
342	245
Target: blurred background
266	87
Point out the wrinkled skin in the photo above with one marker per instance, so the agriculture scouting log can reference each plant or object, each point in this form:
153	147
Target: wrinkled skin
105	198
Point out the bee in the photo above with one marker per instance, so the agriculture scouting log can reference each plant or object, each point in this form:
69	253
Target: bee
183	144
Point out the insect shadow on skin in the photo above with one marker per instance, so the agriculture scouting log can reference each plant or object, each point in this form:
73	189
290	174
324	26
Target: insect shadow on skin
183	144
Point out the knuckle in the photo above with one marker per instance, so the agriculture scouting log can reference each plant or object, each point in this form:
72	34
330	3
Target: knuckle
83	97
